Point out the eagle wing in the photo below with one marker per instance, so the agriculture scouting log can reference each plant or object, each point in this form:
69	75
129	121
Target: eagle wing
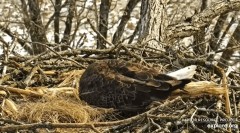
125	86
144	76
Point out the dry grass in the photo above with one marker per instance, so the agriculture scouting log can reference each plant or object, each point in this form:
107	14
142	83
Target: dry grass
57	110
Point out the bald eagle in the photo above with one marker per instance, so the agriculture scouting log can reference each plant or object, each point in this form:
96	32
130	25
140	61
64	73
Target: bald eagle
125	86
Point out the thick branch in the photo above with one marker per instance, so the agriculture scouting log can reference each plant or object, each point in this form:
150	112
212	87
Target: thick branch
36	29
56	21
126	16
68	24
201	20
103	24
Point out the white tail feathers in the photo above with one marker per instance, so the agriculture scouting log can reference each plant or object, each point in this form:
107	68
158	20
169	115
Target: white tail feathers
184	73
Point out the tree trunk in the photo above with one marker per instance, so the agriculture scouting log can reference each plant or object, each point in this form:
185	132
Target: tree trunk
56	20
153	23
68	23
35	26
103	23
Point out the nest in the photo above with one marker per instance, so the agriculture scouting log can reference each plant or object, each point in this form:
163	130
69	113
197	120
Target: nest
43	98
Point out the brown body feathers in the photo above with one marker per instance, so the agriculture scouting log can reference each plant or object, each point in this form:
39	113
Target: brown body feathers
125	86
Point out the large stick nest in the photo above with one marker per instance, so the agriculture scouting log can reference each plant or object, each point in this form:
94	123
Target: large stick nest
38	94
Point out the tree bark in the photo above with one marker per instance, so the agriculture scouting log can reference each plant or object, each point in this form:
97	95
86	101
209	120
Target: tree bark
56	20
126	16
103	23
33	23
153	23
68	23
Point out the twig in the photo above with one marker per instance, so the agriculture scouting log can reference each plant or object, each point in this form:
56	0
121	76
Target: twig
21	91
10	121
29	77
99	34
225	86
95	129
193	125
155	124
